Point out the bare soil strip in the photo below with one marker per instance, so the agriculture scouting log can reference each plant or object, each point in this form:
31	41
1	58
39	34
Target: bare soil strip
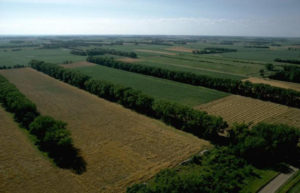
121	147
241	109
155	52
277	83
78	64
180	49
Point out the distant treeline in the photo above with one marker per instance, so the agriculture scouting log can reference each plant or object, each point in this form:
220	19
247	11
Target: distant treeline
19	46
288	73
213	51
287	61
256	46
227	168
10	67
181	117
245	88
51	135
102	51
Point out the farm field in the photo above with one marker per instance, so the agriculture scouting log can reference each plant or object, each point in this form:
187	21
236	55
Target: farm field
156	87
22	57
277	83
120	146
24	169
241	109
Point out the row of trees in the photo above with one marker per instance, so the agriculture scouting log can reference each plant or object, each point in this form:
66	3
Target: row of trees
199	123
287	61
213	51
51	135
102	51
10	67
288	73
245	88
228	168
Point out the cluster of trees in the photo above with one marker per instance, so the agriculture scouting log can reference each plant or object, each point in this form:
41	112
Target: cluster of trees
11	67
199	123
265	144
227	168
51	135
288	73
218	170
287	61
213	50
260	91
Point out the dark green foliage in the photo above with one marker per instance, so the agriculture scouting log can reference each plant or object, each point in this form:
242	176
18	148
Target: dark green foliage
53	138
288	73
287	61
219	171
15	102
199	123
11	67
102	51
78	52
264	144
260	91
270	66
213	51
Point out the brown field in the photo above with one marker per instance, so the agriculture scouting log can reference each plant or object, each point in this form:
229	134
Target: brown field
277	83
155	52
78	64
121	147
240	109
130	60
180	49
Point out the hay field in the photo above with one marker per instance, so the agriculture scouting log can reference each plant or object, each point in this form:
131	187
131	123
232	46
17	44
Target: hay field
240	109
277	83
180	49
24	169
155	52
120	146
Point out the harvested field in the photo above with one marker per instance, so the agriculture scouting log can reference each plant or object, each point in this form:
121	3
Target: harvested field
281	84
130	60
121	147
23	169
240	109
155	52
180	49
78	64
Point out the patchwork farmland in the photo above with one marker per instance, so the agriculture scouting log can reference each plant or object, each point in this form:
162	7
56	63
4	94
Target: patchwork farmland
123	146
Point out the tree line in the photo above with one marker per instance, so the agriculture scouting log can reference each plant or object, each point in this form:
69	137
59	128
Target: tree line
102	51
213	51
227	168
245	88
287	61
181	117
288	73
51	136
11	67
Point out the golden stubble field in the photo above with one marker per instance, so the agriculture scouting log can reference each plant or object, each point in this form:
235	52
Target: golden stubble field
277	83
121	147
240	109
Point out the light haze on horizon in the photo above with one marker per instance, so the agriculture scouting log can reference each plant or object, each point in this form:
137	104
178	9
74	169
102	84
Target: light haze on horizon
156	17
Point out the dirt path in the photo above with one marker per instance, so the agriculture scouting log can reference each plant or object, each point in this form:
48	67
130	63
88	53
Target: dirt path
273	186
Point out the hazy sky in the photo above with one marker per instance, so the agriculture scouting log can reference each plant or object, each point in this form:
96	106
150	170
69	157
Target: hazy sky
173	17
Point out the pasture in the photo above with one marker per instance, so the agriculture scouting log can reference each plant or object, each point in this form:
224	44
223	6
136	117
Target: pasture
121	147
156	87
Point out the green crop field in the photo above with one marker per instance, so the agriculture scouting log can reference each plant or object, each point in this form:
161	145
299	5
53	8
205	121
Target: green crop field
23	56
156	87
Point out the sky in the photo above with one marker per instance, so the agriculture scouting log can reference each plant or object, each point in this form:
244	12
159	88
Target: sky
268	18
